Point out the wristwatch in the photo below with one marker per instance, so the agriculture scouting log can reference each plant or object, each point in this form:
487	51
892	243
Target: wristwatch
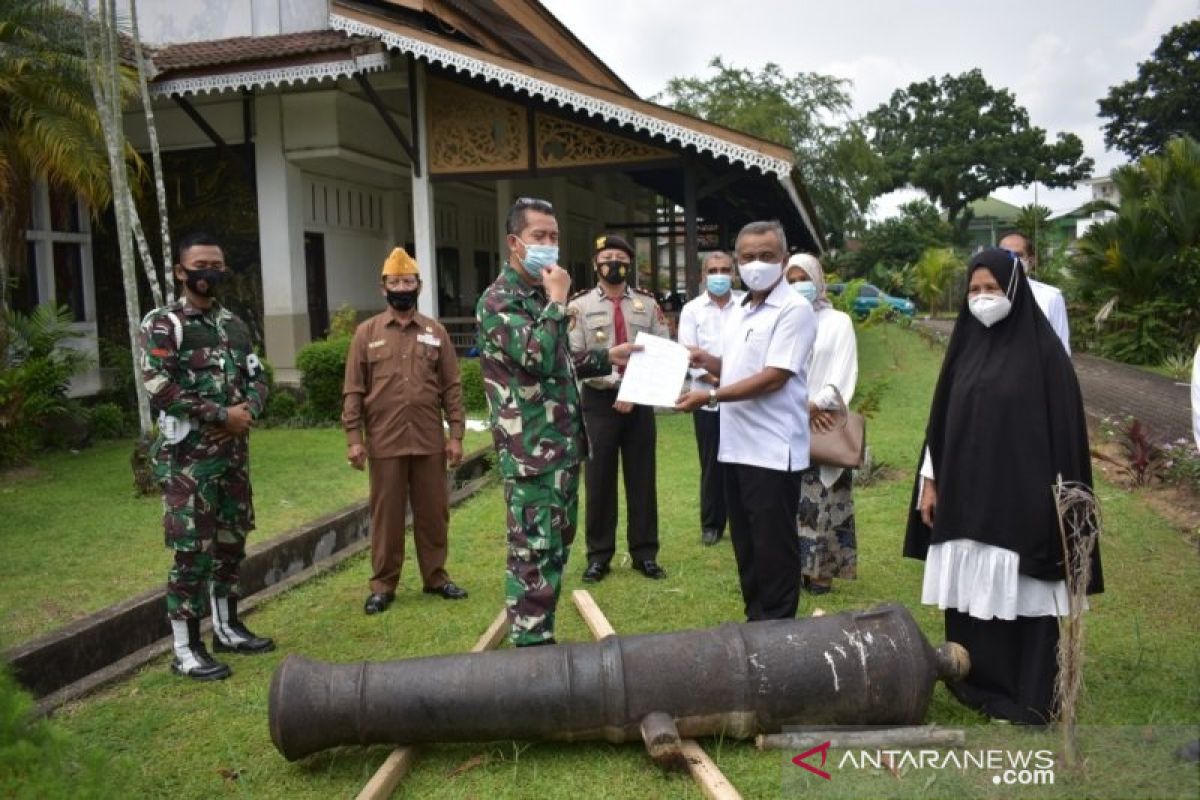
222	414
712	398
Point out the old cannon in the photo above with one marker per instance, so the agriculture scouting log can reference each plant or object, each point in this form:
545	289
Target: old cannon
855	668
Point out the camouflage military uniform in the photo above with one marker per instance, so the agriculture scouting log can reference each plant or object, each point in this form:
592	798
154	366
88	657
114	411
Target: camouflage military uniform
196	362
530	378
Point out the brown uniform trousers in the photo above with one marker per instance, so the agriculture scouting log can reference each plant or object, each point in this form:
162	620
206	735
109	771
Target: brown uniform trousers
401	378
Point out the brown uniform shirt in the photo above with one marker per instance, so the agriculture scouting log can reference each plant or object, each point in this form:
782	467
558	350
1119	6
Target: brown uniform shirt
400	378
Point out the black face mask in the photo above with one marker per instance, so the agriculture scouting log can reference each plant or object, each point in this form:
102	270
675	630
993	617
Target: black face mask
211	277
402	301
613	272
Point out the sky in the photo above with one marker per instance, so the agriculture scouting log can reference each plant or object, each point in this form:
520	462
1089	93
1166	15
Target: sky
1057	57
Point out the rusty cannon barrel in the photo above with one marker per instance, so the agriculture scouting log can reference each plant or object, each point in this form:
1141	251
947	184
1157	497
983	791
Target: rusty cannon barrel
855	668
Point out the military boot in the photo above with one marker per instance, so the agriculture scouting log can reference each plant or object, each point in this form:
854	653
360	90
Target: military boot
191	657
230	635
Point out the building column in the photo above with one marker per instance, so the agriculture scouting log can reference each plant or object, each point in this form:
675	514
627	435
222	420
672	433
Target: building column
424	233
280	241
504	201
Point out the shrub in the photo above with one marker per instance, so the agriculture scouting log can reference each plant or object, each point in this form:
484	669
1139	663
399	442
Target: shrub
343	322
474	396
108	421
281	407
38	759
1141	461
34	379
322	366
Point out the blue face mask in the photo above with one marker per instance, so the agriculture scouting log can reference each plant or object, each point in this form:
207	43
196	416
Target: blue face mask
539	257
806	289
719	284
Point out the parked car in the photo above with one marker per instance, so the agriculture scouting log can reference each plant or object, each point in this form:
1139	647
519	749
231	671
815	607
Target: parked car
871	296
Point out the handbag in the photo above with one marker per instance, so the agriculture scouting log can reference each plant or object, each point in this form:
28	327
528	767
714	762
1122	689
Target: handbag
845	445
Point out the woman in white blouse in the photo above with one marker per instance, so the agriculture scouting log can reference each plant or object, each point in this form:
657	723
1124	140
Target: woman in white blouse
825	517
1006	422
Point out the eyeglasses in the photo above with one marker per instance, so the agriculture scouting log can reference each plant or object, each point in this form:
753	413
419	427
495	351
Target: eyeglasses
535	203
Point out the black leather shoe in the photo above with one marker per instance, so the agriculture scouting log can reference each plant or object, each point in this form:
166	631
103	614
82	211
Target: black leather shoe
650	569
815	588
539	644
448	591
246	643
710	536
378	603
595	572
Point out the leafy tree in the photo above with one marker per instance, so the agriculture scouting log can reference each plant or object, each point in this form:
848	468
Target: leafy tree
1161	102
1143	265
895	243
839	167
48	123
957	139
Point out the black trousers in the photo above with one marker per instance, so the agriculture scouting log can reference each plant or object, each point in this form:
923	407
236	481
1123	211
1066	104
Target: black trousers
762	507
631	438
712	472
1014	666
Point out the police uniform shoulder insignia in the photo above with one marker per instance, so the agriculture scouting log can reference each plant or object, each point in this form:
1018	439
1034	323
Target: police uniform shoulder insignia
577	295
642	291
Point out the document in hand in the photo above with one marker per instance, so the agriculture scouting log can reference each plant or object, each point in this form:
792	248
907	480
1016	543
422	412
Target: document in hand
656	374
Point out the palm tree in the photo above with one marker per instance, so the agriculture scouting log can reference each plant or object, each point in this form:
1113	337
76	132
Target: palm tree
932	274
49	128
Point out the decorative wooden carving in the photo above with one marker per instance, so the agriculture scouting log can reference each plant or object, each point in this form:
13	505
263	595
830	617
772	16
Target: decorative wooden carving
561	143
472	132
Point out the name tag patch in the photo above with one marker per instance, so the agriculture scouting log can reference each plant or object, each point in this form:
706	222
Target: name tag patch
377	343
429	339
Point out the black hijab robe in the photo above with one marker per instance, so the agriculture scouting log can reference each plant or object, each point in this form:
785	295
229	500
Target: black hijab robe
1006	420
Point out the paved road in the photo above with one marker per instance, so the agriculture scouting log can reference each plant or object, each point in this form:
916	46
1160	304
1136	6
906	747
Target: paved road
1118	390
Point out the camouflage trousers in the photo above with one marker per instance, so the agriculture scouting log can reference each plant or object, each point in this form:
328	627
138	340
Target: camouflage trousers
208	510
542	514
825	524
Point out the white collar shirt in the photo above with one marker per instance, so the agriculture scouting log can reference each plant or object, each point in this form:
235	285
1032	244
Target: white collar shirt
771	430
702	323
1050	301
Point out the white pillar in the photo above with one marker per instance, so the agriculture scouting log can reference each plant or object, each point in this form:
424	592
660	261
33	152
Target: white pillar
504	201
424	234
280	240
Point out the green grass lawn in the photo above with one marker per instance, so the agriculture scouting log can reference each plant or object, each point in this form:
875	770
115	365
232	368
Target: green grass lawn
168	737
75	538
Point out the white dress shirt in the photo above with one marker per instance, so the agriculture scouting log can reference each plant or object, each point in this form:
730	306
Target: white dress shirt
771	430
702	323
1050	301
1196	397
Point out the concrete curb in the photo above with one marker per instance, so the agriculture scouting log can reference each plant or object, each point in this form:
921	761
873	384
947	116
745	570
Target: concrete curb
113	642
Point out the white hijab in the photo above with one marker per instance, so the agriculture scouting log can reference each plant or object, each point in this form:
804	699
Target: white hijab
812	268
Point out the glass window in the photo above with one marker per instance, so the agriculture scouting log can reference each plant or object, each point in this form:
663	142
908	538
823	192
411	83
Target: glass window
64	211
68	278
868	291
24	297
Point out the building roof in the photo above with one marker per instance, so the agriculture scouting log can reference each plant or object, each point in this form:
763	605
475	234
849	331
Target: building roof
992	208
244	49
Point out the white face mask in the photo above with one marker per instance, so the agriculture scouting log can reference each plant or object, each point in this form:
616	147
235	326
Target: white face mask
989	308
759	275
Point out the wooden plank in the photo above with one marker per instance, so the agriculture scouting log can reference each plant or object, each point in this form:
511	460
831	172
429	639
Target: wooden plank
704	772
385	780
494	635
596	621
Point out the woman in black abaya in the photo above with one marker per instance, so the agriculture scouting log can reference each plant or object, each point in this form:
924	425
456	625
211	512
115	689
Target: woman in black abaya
1006	422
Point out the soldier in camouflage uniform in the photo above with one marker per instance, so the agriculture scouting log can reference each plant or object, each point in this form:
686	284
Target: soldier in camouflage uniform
530	377
207	386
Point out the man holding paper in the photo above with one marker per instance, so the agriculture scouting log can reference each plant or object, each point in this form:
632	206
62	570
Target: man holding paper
763	394
611	314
